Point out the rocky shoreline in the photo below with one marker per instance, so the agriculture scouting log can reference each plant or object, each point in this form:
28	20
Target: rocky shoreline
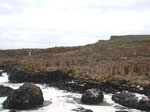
65	82
130	100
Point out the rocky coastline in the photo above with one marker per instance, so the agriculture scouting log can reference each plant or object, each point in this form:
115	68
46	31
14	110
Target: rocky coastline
65	82
112	66
62	80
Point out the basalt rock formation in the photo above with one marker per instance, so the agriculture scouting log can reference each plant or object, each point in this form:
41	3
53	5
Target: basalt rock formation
122	63
64	81
17	75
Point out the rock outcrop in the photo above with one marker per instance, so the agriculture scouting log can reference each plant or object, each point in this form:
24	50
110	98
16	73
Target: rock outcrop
17	75
92	96
130	100
26	97
5	91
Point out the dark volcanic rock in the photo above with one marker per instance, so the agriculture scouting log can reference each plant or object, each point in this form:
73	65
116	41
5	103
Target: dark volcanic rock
62	81
147	91
92	96
26	97
12	111
17	75
130	100
1	73
5	91
81	109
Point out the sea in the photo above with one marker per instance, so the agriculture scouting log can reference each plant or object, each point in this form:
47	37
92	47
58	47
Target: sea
56	100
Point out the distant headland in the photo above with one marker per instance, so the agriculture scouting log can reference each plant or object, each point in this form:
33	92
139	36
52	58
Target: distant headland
130	37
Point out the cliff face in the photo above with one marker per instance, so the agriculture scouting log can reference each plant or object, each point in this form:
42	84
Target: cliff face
131	38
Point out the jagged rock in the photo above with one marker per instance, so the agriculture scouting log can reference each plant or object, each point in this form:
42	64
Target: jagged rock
81	109
5	91
92	96
26	97
130	100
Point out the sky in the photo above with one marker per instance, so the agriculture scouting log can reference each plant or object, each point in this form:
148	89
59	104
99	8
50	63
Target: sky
50	23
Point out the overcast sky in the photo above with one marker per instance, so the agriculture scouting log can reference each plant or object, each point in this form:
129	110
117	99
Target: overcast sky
49	23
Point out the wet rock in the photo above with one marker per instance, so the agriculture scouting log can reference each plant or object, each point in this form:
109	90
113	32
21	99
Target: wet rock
121	111
26	97
130	100
147	91
92	96
12	111
81	109
1	73
17	75
5	91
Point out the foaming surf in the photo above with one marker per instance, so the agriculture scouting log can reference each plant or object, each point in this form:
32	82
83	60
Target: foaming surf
62	101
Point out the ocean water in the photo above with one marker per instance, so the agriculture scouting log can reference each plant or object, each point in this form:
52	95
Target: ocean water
56	100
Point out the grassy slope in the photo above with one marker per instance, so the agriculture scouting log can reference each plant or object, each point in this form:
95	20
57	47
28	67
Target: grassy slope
104	61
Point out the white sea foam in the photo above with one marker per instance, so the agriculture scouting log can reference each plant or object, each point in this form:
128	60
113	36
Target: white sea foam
61	101
4	78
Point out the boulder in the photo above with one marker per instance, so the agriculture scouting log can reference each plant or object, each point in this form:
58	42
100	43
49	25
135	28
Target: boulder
26	97
92	96
132	101
5	91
